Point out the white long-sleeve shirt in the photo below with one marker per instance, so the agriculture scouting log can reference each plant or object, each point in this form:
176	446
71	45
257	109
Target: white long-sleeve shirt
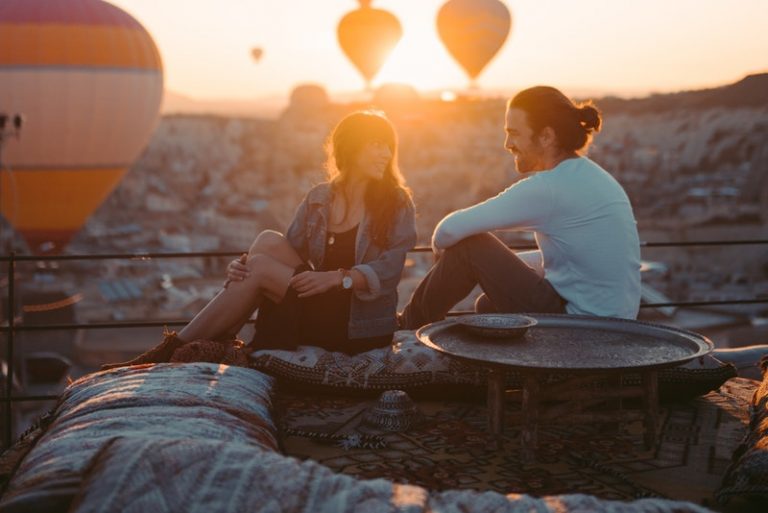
584	227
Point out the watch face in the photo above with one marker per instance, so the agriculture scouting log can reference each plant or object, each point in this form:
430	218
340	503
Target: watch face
346	282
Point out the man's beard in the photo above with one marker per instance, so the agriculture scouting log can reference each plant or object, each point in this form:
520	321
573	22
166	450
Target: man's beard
524	165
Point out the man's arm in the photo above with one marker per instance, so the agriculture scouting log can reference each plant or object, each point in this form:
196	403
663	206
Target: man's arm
524	206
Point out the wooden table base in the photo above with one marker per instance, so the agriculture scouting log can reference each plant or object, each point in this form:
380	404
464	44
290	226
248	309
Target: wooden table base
568	401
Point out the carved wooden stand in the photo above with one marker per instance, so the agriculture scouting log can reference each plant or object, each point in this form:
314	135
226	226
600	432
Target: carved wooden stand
569	400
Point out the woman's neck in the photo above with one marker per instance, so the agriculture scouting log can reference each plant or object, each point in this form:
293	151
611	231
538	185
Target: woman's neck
348	205
354	189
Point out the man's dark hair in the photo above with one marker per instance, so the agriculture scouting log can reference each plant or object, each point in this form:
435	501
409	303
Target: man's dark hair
547	107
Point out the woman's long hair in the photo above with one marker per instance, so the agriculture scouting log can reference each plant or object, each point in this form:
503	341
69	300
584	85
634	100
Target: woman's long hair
384	197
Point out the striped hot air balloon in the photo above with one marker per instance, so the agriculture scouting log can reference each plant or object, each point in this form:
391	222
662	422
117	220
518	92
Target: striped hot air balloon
89	81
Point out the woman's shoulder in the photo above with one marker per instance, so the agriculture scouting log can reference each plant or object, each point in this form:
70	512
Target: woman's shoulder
320	193
404	198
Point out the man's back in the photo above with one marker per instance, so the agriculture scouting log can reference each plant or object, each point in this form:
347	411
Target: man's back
589	240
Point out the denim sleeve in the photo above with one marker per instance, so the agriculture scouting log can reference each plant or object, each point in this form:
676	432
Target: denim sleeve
383	274
297	231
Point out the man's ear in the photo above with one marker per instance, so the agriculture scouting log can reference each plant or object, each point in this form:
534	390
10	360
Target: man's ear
547	137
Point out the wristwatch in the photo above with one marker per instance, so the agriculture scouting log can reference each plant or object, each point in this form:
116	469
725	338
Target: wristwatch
346	279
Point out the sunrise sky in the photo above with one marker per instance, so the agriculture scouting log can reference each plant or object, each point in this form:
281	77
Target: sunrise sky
601	46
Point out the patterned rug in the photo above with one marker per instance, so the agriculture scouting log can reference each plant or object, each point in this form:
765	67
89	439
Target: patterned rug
450	447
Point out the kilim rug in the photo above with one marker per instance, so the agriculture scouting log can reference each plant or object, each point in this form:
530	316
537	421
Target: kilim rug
450	447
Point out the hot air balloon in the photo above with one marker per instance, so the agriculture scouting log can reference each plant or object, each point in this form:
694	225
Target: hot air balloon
89	81
473	31
367	36
257	54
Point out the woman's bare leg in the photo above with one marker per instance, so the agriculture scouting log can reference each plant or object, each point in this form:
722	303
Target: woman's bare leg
274	244
271	263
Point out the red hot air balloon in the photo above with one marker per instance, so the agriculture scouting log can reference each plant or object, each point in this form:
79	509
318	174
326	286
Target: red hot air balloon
367	37
473	31
89	80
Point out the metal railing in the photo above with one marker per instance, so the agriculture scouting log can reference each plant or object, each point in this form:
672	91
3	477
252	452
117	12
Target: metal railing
8	397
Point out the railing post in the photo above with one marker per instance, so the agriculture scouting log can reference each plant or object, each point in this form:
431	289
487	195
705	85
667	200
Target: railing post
8	421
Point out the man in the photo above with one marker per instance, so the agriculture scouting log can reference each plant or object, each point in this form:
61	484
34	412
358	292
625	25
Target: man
588	260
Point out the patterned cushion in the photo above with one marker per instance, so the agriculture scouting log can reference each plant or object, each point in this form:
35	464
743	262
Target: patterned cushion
138	475
408	364
164	401
745	484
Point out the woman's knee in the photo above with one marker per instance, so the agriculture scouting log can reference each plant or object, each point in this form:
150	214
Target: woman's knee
269	275
267	241
259	264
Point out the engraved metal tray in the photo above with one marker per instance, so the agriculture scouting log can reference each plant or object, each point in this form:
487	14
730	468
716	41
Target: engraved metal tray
572	343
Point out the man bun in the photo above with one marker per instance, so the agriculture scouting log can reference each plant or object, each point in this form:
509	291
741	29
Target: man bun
546	106
590	118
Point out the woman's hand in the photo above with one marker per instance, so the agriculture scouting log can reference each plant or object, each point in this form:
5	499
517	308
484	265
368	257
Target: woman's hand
237	270
310	283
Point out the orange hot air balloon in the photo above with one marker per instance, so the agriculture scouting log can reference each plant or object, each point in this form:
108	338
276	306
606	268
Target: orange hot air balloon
473	31
257	54
367	36
89	81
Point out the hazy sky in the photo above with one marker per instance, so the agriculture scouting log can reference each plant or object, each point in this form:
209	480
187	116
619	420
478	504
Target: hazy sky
605	46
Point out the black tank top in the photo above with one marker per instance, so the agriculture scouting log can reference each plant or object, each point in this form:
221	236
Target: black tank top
325	317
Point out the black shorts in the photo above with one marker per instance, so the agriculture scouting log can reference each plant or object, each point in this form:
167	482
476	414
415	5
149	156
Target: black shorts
320	320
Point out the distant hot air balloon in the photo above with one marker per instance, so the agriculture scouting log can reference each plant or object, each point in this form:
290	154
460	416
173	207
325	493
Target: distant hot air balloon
257	54
473	31
367	36
89	80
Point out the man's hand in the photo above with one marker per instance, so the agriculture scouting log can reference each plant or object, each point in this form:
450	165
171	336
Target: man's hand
436	251
311	283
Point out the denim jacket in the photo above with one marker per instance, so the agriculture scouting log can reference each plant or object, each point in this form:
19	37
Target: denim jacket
372	312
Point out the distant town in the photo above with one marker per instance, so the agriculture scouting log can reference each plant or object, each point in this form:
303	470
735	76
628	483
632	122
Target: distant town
694	165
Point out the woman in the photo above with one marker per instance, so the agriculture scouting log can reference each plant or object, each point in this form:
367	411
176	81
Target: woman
332	279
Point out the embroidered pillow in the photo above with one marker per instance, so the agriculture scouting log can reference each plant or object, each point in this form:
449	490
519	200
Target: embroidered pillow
138	475
196	401
408	364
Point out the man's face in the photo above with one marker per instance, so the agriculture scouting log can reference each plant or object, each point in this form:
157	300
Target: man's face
520	142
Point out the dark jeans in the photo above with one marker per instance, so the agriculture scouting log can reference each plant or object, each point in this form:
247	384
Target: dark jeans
509	284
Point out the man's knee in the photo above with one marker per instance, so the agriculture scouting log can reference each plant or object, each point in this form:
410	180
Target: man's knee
469	245
483	304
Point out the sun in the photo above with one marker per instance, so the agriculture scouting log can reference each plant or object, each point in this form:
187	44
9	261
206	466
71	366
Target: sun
420	60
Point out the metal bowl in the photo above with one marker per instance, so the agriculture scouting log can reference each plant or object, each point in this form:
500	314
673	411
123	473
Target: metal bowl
393	411
497	325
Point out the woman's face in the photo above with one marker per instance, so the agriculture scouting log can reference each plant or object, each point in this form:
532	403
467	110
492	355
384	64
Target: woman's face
372	160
